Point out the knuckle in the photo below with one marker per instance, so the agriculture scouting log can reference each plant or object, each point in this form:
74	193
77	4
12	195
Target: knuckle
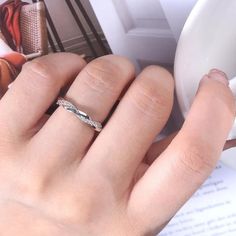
106	74
41	70
151	100
195	160
101	77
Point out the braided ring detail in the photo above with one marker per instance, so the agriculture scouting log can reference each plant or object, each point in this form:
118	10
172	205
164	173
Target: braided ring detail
97	126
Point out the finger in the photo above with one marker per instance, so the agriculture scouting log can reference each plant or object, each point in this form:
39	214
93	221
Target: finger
191	156
35	89
94	91
157	148
140	116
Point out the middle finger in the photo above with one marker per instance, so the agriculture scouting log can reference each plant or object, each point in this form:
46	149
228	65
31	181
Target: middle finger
140	116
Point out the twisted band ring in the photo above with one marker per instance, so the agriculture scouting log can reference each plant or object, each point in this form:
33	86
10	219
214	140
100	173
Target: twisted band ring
97	126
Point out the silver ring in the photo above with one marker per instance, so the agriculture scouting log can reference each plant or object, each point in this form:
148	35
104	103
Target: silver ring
80	114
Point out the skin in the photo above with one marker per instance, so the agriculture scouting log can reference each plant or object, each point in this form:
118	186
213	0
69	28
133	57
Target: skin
58	177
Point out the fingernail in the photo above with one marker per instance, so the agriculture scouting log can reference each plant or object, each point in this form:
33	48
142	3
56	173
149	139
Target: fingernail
218	75
218	71
9	85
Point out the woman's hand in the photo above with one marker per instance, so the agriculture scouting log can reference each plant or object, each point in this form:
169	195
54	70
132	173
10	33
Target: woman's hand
57	177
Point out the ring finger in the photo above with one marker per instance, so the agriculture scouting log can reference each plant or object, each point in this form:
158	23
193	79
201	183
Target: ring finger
94	91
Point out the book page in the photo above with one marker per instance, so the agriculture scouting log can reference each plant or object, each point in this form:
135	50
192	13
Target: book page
212	209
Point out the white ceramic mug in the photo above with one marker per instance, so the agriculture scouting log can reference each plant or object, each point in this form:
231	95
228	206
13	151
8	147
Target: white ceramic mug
208	40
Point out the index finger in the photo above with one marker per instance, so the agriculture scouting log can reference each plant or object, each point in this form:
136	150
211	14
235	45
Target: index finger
35	89
191	156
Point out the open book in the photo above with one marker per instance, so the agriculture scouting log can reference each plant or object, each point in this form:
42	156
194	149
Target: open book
212	210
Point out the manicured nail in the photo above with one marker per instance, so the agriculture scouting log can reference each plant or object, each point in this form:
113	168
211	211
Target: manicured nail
218	71
219	76
9	85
